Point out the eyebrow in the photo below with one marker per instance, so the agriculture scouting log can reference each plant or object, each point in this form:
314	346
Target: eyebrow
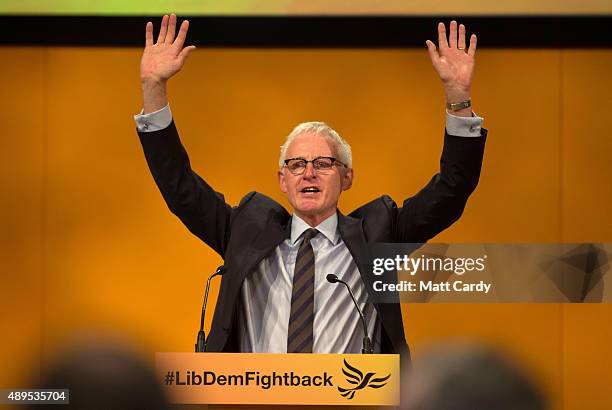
318	156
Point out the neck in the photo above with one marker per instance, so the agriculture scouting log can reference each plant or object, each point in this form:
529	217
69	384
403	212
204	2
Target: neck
315	219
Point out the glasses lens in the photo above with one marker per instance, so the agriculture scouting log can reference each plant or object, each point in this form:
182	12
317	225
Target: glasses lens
323	164
296	166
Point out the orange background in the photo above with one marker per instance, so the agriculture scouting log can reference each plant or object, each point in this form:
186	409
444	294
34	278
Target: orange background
86	240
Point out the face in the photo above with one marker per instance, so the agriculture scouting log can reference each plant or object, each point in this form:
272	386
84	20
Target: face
314	195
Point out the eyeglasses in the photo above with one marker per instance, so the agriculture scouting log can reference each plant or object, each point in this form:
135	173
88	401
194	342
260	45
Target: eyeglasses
322	165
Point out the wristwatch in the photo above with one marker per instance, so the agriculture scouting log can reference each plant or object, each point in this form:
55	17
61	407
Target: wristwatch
459	106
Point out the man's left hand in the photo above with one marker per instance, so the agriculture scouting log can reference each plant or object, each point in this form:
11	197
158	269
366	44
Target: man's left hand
453	61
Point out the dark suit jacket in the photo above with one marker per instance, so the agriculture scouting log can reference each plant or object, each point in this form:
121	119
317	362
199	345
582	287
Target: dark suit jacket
246	234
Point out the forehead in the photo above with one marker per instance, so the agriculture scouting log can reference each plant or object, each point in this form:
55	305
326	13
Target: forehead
310	145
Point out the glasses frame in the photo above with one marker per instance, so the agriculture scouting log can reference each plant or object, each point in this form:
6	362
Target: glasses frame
333	160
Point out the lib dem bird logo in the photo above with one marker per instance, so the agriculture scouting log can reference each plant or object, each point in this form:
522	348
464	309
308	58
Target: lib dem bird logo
356	377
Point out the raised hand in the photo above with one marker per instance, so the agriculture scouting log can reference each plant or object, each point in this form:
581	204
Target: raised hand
163	59
453	61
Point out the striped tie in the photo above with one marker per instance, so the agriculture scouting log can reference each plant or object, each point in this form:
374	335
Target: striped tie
300	338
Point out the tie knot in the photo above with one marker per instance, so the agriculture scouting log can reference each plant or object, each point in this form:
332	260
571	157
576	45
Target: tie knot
309	234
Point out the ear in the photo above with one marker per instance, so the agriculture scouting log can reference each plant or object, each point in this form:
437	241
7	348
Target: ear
347	179
282	182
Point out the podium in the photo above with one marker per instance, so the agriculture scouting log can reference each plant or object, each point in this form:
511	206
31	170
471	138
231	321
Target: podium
280	379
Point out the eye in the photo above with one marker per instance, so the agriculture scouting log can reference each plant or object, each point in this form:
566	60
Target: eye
323	163
296	164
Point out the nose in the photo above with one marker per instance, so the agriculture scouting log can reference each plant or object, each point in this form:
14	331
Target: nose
309	172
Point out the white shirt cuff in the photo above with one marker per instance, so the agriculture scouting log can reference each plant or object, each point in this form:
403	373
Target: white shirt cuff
153	121
463	126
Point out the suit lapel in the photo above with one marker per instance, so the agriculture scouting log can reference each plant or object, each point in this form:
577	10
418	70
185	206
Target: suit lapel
278	228
351	231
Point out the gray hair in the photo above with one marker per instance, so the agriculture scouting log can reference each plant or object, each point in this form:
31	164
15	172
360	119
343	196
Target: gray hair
344	152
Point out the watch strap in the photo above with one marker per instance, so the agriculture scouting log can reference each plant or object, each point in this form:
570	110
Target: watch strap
459	106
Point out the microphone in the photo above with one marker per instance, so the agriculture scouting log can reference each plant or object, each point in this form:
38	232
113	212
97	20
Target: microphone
200	345
367	343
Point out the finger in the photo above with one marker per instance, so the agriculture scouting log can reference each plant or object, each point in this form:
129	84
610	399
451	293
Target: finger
442	43
171	29
472	49
149	34
185	53
182	35
433	53
163	30
452	37
462	36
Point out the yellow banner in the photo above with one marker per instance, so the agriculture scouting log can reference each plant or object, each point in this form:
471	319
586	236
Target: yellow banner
261	378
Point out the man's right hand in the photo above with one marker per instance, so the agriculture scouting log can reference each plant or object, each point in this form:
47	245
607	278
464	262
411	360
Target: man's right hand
162	60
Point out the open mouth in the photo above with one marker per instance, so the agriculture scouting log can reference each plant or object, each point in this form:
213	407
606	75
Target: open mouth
310	190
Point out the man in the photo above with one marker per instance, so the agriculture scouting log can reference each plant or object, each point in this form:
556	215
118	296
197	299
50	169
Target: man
274	296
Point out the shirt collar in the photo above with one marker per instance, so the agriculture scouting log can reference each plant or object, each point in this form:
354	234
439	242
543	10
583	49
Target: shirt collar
329	228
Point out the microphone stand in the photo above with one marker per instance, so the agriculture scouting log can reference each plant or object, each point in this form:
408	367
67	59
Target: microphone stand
200	345
367	347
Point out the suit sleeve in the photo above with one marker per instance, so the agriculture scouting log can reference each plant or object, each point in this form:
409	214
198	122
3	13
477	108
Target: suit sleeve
441	202
203	211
